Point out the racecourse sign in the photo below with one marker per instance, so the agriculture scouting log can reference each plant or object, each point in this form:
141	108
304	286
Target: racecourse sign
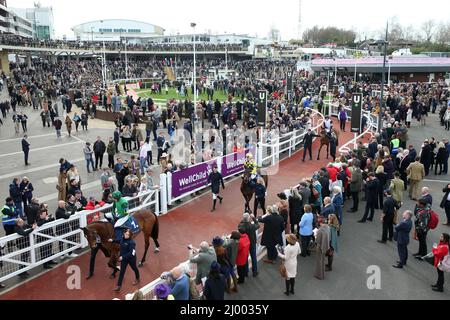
191	179
357	101
194	178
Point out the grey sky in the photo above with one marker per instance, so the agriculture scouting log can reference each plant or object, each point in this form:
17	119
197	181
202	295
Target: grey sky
240	16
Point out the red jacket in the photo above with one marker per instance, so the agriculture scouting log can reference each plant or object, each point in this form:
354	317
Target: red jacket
332	172
91	205
439	253
243	250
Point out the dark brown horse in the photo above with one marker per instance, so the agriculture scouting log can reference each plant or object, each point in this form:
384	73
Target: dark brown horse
248	191
325	142
148	224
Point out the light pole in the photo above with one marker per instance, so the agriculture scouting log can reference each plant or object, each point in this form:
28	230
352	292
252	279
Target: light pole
193	25
226	56
389	74
335	71
383	74
92	34
126	60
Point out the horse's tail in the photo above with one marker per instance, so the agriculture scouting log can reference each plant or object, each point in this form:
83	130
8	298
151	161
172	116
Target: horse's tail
155	230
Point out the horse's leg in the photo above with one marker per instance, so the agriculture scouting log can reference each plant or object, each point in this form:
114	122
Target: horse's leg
328	151
156	245
147	244
320	149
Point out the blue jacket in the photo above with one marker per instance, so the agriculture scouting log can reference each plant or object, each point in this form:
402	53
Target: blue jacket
14	192
127	249
180	288
338	203
326	211
402	231
306	224
25	145
27	194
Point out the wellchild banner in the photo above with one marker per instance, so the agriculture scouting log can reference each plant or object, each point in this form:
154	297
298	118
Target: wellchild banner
192	178
234	163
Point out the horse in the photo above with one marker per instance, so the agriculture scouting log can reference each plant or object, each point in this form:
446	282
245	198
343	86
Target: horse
148	223
248	191
325	141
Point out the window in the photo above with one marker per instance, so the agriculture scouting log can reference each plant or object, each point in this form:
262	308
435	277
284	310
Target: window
120	30
134	30
105	30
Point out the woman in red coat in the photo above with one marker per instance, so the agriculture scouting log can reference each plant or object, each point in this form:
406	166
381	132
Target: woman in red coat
242	256
440	251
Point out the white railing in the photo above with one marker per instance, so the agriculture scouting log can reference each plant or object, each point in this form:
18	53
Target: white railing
57	238
287	143
149	290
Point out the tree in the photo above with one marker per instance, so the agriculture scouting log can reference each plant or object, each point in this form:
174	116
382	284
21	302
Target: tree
428	30
443	33
320	36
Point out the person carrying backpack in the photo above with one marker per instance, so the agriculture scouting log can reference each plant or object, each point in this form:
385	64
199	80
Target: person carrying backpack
422	218
441	261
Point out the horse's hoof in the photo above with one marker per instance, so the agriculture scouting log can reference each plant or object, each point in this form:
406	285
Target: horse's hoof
157	250
112	277
140	265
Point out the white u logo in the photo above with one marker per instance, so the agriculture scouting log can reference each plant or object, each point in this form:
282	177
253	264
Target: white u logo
356	99
262	95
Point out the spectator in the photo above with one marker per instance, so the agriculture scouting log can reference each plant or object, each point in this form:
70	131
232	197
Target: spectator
242	256
295	209
401	235
215	284
9	214
390	207
33	211
323	245
129	190
338	202
250	225
88	157
111	151
45	250
306	230
356	186
440	251
24	230
204	258
26	188
16	195
163	292
271	237
416	173
371	198
61	213
289	256
427	196
180	285
328	208
333	223
422	218
99	151
445	203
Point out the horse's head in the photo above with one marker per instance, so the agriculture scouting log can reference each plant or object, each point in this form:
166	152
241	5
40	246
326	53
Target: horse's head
247	175
91	236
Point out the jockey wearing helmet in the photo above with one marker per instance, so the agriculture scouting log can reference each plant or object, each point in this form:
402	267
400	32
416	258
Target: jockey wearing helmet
327	125
120	215
251	166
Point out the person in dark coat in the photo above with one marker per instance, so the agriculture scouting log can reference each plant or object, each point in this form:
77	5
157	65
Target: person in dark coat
272	234
307	144
24	230
445	203
373	148
215	284
401	235
371	197
426	157
45	250
215	179
16	195
295	210
324	181
389	208
333	146
404	164
33	211
99	151
382	183
25	149
127	258
260	196
249	225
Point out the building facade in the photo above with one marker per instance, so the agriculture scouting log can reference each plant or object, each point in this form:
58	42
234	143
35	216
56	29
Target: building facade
42	20
12	23
115	30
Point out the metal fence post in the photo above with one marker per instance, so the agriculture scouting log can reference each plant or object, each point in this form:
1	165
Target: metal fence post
157	202
163	190
32	249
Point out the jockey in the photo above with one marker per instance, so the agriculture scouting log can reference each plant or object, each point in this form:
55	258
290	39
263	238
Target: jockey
119	216
251	166
327	125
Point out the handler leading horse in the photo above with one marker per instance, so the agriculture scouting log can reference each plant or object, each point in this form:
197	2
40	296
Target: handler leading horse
248	189
148	224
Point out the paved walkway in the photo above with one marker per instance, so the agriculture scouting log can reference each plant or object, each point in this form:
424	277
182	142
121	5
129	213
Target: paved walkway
190	223
358	250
